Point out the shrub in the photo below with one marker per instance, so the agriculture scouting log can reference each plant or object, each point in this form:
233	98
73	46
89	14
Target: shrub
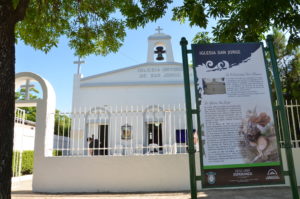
27	162
57	153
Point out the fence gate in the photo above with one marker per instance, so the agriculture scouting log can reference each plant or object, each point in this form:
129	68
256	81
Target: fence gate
18	141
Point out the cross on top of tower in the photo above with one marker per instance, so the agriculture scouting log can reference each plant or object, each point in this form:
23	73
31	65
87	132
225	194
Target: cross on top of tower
158	29
79	62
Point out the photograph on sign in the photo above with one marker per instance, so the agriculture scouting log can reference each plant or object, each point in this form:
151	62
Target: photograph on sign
240	144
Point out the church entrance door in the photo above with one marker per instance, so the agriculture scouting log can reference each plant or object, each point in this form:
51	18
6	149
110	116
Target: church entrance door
103	139
154	134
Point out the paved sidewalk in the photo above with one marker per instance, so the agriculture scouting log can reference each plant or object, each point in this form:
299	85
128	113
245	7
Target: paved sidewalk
23	191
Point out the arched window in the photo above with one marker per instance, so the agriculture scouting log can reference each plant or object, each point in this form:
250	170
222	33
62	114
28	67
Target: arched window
154	118
96	130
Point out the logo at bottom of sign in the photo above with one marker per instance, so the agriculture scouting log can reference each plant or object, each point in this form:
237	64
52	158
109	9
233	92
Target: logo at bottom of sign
272	175
211	177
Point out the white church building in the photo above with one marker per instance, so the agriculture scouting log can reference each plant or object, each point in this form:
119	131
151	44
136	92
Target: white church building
134	110
126	132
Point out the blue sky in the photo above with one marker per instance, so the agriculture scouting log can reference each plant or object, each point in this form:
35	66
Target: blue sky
58	68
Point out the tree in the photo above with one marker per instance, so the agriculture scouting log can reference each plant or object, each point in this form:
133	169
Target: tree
202	38
243	20
289	66
93	26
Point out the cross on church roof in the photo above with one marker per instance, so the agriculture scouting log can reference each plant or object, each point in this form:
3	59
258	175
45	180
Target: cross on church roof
158	29
78	64
27	87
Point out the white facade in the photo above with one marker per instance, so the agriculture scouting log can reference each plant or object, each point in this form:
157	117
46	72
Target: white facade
153	82
152	86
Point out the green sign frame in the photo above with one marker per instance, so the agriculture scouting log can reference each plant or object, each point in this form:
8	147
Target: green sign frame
196	111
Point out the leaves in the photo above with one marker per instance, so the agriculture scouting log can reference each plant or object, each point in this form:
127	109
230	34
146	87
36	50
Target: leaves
93	26
62	125
289	66
193	11
245	20
20	95
108	37
202	38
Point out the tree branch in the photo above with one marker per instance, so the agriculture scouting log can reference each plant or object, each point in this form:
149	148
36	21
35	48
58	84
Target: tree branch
20	10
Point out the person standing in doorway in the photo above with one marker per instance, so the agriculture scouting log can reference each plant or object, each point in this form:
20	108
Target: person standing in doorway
91	143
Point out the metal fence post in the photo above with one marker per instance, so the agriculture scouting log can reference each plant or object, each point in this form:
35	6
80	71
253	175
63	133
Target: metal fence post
191	149
286	134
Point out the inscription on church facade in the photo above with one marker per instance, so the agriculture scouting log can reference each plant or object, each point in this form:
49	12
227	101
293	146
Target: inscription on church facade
155	72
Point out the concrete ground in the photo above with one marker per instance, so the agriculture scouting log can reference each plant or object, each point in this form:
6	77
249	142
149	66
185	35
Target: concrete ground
22	190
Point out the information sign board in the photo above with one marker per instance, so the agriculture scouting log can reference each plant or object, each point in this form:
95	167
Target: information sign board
239	140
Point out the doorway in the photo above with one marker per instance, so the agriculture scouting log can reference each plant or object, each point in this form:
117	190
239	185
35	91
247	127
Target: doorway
103	139
154	135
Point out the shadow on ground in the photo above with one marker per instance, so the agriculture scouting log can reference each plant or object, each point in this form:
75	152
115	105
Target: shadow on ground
25	192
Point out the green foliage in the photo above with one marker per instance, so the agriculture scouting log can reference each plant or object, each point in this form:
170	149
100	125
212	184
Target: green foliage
202	38
62	125
243	20
20	95
57	153
289	66
27	162
30	112
93	26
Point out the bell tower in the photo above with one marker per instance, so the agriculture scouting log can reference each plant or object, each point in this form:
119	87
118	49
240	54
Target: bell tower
159	47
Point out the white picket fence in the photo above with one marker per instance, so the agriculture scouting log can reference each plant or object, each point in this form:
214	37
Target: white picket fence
138	130
124	130
293	116
18	138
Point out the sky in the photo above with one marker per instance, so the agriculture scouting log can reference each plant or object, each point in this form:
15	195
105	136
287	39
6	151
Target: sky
58	68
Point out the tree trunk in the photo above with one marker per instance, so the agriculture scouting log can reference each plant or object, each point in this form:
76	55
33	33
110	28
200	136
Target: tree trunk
7	101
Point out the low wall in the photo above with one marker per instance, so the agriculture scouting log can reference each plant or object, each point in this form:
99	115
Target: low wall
151	173
112	174
296	156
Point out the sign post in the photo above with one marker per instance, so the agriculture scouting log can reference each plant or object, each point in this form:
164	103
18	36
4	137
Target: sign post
188	103
286	134
238	141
